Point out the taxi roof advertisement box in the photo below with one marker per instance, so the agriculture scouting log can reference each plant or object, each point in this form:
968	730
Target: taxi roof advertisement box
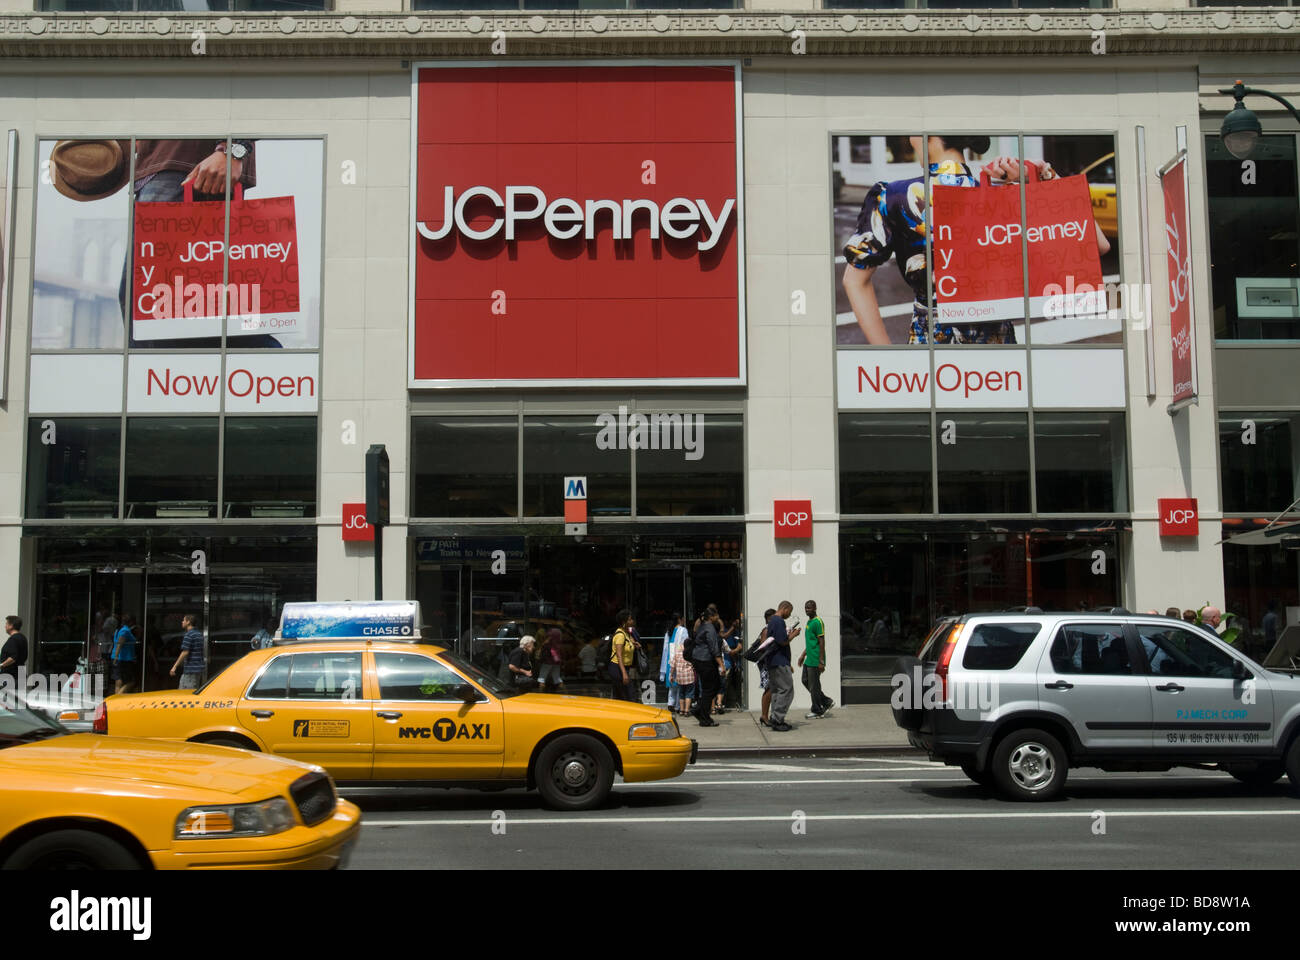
575	224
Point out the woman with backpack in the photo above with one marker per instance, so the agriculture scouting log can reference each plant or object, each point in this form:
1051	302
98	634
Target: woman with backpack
622	654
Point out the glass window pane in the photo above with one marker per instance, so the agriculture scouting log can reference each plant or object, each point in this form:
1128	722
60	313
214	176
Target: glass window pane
171	467
325	676
76	475
1253	233
885	463
986	469
998	646
81	236
411	676
698	469
1258	476
273	682
270	467
1176	652
556	447
1080	462
464	466
1090	649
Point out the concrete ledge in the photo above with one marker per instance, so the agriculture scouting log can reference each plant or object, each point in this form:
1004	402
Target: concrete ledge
594	34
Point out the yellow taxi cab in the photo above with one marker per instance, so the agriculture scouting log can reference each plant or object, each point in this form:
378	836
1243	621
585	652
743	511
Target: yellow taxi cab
1101	189
353	688
77	801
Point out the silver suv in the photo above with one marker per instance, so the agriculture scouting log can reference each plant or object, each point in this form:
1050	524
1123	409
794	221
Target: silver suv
1016	699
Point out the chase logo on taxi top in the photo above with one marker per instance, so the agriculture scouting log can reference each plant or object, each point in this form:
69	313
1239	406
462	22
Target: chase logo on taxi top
309	621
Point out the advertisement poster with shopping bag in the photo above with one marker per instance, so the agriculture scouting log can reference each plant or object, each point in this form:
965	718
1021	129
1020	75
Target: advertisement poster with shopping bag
249	262
978	263
930	245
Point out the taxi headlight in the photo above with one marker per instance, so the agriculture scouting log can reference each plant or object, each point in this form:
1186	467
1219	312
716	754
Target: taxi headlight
653	731
235	820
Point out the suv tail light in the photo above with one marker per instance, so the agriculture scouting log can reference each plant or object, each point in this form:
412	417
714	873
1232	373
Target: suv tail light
945	657
101	717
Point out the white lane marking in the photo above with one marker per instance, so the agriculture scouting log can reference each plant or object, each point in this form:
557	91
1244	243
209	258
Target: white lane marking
781	768
874	817
959	778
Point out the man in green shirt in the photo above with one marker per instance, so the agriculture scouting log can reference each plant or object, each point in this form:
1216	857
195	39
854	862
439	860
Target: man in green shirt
813	661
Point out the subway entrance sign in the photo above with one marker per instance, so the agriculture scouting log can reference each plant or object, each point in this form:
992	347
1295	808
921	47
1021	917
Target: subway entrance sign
575	506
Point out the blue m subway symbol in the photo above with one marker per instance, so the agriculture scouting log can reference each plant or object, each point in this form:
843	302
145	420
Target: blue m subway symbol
575	489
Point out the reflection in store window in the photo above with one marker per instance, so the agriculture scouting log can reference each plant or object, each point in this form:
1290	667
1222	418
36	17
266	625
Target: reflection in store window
270	467
76	475
171	467
707	480
556	447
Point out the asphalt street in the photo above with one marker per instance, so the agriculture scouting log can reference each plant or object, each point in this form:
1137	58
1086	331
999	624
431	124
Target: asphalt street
898	812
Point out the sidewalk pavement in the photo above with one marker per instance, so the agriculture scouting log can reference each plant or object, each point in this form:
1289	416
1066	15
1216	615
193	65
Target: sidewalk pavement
846	731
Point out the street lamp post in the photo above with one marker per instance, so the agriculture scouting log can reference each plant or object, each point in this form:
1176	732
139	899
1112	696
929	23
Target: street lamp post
1241	128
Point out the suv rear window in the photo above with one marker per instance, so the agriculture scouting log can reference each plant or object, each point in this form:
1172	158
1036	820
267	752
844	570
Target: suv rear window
998	646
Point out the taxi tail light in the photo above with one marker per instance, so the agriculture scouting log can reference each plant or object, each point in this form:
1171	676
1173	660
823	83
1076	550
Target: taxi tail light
101	717
945	658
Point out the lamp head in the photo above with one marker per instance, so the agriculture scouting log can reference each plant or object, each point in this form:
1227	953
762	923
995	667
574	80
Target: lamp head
1240	129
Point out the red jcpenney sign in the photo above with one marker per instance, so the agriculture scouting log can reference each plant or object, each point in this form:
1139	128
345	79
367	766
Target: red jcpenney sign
792	519
354	523
575	225
1178	517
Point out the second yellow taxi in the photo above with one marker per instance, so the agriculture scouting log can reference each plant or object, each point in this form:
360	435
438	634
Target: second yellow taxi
352	688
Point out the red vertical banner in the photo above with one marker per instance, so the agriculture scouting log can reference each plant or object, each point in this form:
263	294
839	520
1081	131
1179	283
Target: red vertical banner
1178	247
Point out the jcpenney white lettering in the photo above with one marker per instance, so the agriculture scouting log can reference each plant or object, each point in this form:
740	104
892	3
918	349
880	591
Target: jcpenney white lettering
565	218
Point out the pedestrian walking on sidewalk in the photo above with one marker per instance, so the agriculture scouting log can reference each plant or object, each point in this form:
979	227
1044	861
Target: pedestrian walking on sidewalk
780	677
191	655
621	656
706	656
813	661
763	683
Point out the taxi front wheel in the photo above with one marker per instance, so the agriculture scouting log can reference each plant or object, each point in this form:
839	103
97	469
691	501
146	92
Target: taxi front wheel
574	772
72	850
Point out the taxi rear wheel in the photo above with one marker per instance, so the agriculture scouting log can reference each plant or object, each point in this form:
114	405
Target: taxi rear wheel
574	772
72	850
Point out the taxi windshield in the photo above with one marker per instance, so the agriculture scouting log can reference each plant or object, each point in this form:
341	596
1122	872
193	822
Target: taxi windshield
485	680
18	724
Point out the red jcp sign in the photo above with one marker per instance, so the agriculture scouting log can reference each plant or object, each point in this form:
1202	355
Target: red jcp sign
1178	517
576	225
354	523
792	519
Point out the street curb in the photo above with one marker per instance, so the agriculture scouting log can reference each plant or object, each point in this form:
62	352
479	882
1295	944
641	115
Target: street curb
741	753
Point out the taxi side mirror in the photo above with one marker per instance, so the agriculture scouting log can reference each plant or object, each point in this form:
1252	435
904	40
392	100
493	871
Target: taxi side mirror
1239	671
468	693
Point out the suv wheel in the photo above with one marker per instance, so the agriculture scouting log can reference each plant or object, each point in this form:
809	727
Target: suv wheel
1029	764
574	772
1258	774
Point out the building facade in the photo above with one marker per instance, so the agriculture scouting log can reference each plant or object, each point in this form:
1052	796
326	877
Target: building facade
675	254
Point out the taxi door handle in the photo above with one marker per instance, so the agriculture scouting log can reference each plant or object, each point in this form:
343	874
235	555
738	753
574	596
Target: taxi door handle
388	714
263	714
1059	685
1170	688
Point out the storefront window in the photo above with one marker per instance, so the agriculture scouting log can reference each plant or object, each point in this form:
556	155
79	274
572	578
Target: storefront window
171	467
1257	458
72	467
1080	464
885	463
270	467
698	469
464	467
1257	581
1254	252
983	463
556	447
574	4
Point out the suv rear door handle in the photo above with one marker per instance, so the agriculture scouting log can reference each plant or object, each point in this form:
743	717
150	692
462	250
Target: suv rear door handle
262	714
1059	685
389	714
1170	688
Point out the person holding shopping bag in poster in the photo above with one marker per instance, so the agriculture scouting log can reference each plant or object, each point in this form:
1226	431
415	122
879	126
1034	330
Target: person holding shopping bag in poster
894	222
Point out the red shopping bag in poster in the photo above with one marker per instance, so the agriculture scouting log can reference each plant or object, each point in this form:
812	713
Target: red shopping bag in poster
978	265
180	253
